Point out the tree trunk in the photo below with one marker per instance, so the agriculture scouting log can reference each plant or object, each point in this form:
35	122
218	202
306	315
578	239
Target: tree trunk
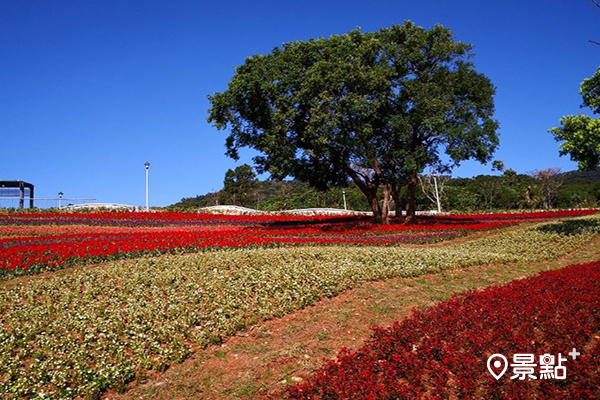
385	212
375	207
397	200
369	189
411	214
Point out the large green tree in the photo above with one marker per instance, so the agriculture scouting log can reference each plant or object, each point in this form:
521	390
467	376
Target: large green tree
580	134
374	107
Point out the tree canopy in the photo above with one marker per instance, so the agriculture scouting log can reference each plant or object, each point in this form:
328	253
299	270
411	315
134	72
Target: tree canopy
239	186
590	92
374	107
580	134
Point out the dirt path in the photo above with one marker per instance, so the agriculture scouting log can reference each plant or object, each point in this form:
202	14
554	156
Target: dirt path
262	361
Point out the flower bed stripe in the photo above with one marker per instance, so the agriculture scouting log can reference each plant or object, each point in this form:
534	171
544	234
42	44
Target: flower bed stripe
442	352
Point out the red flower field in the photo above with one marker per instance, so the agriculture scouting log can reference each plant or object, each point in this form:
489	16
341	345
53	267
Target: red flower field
442	352
30	243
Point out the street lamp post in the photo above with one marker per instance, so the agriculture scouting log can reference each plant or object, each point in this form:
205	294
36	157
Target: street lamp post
60	195
344	196
147	165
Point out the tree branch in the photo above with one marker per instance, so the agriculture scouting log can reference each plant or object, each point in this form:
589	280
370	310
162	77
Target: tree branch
362	185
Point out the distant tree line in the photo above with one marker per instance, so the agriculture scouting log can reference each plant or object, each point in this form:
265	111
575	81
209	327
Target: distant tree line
509	191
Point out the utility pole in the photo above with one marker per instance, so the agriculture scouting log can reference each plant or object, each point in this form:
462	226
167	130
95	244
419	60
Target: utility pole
437	195
147	165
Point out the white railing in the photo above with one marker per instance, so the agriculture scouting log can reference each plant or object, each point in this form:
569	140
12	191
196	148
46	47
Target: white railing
42	202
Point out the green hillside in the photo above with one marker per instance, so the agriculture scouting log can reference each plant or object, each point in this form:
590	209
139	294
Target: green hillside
484	192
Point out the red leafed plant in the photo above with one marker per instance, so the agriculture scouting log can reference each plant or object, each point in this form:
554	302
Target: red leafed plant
442	352
30	243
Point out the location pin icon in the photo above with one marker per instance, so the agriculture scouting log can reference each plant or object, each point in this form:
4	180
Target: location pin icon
496	365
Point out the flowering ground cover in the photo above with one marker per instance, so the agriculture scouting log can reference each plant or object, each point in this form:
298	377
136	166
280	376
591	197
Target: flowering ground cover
31	243
442	352
78	334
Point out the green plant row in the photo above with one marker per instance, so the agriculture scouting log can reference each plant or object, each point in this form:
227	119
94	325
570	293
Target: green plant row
95	328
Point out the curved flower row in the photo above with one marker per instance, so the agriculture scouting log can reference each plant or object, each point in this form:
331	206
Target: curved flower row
442	352
128	218
29	255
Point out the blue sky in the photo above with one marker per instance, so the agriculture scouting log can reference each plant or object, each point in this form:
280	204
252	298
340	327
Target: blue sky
90	90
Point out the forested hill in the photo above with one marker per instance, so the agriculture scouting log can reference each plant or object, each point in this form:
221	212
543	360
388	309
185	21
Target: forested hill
592	176
273	195
484	192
